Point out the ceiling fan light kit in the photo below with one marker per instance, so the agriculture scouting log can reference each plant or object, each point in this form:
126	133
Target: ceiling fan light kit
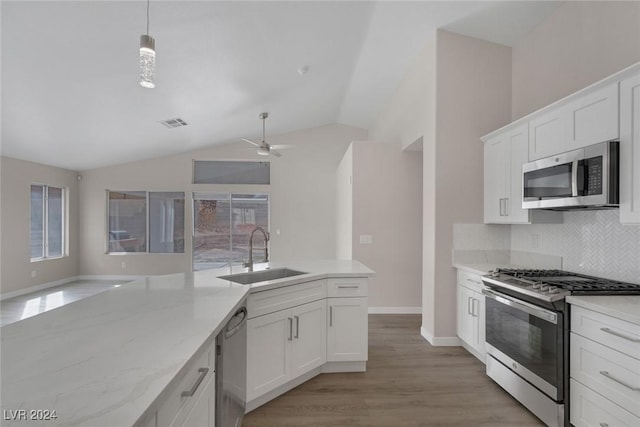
147	58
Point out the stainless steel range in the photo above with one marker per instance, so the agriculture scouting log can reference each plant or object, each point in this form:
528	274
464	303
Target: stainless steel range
527	333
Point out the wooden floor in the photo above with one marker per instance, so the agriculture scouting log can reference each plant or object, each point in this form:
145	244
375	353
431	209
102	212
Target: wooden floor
408	383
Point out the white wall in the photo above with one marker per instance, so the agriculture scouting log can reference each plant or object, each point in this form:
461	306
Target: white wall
463	91
344	206
580	43
302	191
16	179
387	205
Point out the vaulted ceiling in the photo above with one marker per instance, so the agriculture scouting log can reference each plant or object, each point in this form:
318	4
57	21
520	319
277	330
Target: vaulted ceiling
70	95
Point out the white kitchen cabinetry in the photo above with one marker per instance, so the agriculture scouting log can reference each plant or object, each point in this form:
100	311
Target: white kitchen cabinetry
605	370
348	322
547	134
284	345
191	401
504	155
592	118
470	313
589	118
630	150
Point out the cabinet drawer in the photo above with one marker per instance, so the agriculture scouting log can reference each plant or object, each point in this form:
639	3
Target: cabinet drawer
175	403
610	372
606	330
347	287
470	280
261	303
589	409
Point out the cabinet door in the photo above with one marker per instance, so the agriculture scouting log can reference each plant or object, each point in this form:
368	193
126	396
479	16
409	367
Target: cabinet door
268	352
592	118
465	325
202	414
495	165
630	150
517	149
547	134
309	348
347	333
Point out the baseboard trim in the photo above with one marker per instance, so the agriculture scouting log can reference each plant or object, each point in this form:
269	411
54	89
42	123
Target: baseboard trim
395	310
440	341
19	292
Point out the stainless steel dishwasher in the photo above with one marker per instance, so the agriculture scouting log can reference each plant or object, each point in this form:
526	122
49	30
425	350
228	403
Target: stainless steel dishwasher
231	371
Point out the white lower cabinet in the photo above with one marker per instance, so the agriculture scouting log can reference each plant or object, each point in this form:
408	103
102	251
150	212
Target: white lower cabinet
470	313
190	401
605	370
295	332
283	345
348	324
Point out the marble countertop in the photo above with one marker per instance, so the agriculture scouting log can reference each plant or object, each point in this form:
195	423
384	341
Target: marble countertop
625	307
104	360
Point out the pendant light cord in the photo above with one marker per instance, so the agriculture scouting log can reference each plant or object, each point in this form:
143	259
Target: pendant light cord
147	17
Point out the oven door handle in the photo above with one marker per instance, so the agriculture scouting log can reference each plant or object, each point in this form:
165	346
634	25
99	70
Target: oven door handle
531	309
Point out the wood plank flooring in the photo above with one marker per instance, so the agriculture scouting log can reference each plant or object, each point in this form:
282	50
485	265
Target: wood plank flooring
408	383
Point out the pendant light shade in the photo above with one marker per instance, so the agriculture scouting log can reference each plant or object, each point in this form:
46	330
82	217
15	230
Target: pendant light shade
147	58
147	61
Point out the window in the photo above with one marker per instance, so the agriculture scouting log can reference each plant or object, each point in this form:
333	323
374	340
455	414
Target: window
223	223
47	222
231	172
141	221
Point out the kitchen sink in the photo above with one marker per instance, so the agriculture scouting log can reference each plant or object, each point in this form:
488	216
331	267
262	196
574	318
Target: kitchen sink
262	276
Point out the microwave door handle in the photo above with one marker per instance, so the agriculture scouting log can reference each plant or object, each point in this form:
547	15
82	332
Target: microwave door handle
574	179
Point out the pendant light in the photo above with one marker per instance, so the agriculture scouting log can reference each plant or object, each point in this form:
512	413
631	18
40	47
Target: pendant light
147	57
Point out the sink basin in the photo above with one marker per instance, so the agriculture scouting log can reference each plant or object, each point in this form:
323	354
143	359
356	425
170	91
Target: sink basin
262	276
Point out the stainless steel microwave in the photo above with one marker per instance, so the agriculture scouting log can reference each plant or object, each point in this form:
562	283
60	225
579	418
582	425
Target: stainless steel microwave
580	179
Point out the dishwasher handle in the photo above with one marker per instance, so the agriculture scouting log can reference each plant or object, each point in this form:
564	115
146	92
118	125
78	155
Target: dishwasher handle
242	313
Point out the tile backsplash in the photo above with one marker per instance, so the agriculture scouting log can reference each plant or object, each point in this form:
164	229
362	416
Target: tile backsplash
590	242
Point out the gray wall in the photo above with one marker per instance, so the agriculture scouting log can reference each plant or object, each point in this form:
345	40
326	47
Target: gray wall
17	269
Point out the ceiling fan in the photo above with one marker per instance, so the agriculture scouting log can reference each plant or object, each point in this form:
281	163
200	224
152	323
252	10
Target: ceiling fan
264	149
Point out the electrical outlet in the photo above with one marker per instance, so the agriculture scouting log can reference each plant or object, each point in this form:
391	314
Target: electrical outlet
534	241
366	239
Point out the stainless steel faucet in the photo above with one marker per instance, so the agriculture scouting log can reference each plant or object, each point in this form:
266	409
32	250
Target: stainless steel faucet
266	249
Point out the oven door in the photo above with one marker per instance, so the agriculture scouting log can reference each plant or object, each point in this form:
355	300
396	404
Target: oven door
527	339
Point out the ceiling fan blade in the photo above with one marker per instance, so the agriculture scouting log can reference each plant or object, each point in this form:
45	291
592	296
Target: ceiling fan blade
282	147
275	153
250	142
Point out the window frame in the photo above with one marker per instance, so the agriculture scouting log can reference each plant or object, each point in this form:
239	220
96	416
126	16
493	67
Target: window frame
64	252
147	250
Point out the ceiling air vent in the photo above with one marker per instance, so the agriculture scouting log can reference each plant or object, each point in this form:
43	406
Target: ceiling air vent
174	123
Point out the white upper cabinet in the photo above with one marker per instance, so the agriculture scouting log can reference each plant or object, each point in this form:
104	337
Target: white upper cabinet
630	150
592	118
547	134
504	155
588	119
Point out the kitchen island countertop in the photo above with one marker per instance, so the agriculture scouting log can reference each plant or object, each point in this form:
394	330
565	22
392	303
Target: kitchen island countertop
105	360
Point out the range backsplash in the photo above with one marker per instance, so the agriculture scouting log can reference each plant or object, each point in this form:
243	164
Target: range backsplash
590	242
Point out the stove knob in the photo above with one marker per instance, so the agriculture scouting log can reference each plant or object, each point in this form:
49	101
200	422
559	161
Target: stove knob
537	285
554	290
544	287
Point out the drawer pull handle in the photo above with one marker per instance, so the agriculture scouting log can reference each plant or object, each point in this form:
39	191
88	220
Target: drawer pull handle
348	286
611	377
189	393
297	335
618	334
290	337
330	315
